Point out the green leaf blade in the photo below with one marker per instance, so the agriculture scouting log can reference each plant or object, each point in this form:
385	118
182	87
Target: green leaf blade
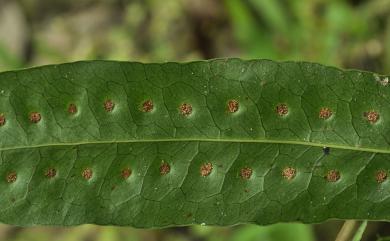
249	150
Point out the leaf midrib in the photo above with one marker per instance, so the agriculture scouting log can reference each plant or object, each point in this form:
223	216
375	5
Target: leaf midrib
364	149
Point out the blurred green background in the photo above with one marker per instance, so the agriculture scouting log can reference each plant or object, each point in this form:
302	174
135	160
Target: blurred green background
342	33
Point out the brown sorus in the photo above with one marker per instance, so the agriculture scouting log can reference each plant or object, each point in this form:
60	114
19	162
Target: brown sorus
233	106
87	173
11	177
289	173
50	173
35	117
282	109
185	109
246	173
206	169
165	168
381	176
126	173
333	176
147	106
2	119
109	105
371	116
325	113
72	109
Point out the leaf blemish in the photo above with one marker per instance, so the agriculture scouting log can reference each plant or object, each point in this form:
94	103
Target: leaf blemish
185	109
50	173
126	173
165	168
371	116
326	150
87	173
282	109
246	173
289	173
205	169
35	117
233	106
109	105
72	109
2	119
381	176
147	106
11	177
384	81
333	176
325	113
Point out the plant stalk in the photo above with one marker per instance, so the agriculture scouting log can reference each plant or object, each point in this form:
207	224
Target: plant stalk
347	231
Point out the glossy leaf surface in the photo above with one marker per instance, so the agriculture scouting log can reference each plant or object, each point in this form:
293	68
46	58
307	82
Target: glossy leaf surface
217	142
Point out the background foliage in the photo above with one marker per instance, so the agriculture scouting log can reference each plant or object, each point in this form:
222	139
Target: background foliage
343	33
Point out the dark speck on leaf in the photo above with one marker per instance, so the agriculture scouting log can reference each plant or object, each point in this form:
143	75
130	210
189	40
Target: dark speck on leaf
326	150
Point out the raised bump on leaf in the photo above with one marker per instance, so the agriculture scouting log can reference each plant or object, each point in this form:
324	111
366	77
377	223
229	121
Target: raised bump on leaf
381	176
333	176
72	109
371	116
206	169
11	177
165	168
325	113
186	109
87	173
147	106
126	173
233	106
51	172
289	173
35	117
2	120
109	105
282	109
246	173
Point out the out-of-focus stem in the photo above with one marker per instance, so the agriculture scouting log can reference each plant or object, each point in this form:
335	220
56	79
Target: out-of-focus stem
347	230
